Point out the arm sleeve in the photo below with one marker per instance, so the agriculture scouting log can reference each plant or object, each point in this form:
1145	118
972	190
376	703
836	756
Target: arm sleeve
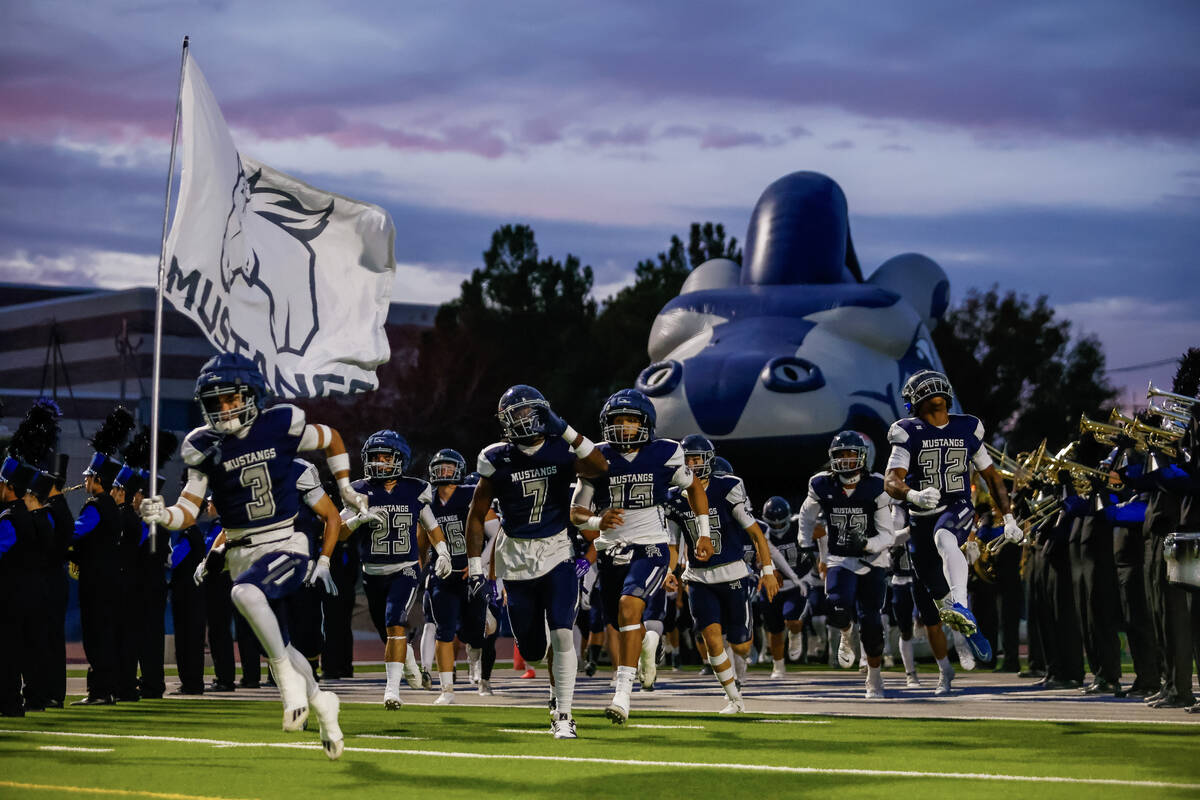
807	518
197	483
309	484
8	536
87	521
898	439
781	563
583	494
428	520
739	505
823	548
884	533
314	437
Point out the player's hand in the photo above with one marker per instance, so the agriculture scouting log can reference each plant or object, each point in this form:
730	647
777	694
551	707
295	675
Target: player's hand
671	584
1012	531
552	424
320	572
704	548
582	565
443	566
927	498
201	572
769	585
971	550
612	518
153	511
475	586
354	499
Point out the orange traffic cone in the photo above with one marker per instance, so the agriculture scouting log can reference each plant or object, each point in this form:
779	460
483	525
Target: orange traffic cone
520	666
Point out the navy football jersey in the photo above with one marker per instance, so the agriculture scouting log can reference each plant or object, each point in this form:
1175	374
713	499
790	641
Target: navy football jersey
850	519
533	490
452	518
939	457
786	541
729	539
251	477
395	540
640	486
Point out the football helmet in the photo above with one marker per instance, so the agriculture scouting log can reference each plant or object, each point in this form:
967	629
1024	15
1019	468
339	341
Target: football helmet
848	454
698	445
447	467
230	375
777	512
522	413
721	466
633	403
385	443
923	385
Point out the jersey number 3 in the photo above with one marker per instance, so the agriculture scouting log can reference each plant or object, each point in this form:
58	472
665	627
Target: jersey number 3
257	479
949	476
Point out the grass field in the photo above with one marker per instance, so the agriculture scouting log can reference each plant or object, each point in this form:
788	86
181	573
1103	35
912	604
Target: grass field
235	749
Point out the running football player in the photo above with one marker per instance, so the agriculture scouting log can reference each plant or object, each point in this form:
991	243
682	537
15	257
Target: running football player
785	611
719	591
930	472
637	568
390	551
530	475
858	531
244	454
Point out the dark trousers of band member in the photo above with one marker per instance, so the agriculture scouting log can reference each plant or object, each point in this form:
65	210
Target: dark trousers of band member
53	663
1170	608
337	654
1129	559
1064	627
99	594
1094	576
19	626
218	609
187	613
1034	582
152	631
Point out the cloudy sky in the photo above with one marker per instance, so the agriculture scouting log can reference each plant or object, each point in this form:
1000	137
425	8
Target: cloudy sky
1050	148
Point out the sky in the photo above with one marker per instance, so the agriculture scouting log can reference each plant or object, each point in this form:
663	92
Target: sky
1049	148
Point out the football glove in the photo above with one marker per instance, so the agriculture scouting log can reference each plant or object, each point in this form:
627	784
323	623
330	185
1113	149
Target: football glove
475	586
552	424
926	498
971	550
319	571
153	511
354	499
1012	531
443	566
582	565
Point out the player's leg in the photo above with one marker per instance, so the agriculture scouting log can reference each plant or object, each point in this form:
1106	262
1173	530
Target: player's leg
902	610
929	615
774	623
737	619
560	598
446	607
654	621
401	595
869	601
840	589
791	610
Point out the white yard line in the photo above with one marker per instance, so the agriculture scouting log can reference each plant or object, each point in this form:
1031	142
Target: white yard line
59	748
97	790
630	762
798	721
667	727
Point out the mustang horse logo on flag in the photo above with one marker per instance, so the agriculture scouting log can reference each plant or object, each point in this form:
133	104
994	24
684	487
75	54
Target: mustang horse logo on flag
275	213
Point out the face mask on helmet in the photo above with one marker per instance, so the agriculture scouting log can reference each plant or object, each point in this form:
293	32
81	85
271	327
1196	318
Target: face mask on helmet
522	414
924	385
381	463
626	428
447	468
227	408
777	513
698	455
847	462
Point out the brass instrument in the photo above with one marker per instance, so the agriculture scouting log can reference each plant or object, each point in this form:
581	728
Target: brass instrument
1177	403
1101	432
74	488
1159	439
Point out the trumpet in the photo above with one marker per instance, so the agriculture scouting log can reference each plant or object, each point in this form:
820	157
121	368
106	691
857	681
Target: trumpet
74	488
1175	403
1160	439
1101	432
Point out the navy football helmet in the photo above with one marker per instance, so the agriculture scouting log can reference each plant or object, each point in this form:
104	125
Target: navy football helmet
633	403
230	375
721	466
923	385
848	454
777	512
385	454
698	445
447	467
522	413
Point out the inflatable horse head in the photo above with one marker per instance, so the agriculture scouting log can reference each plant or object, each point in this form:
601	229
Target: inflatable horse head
786	350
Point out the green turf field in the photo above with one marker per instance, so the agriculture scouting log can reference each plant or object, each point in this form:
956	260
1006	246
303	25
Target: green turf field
235	749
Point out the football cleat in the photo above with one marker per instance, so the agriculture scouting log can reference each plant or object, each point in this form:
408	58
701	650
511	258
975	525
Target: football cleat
980	648
553	705
292	691
959	618
737	706
413	679
485	688
875	688
888	661
943	687
846	654
795	646
444	699
911	681
778	672
589	668
426	680
326	704
563	727
618	709
392	702
647	672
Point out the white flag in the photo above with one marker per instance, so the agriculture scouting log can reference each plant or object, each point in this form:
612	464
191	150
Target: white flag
296	278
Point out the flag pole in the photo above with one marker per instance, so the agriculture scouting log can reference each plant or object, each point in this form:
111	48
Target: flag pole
152	489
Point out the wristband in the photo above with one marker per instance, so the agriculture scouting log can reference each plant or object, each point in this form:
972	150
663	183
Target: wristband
569	435
343	483
702	527
912	496
592	524
1009	518
441	549
338	463
585	448
187	505
475	566
323	561
175	518
769	569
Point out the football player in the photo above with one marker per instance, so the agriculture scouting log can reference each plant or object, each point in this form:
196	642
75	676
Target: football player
785	611
719	591
930	471
398	506
530	475
244	453
635	556
858	531
454	612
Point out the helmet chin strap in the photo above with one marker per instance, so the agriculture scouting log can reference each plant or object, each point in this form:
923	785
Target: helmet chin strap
848	478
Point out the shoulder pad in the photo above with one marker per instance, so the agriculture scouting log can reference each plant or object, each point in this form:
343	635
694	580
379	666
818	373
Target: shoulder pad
195	444
898	432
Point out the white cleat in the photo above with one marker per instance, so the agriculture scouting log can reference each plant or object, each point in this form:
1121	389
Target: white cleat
943	687
845	654
444	699
965	657
563	727
326	704
485	688
911	681
888	661
778	672
795	646
413	679
292	691
647	673
618	709
734	707
392	702
875	689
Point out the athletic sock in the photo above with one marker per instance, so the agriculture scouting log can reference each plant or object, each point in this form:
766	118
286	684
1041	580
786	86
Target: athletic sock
594	651
625	678
739	665
777	663
395	674
650	645
301	665
564	666
253	605
954	565
446	679
428	645
944	665
906	655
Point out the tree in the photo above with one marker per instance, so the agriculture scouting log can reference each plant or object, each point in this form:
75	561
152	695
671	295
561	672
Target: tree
1014	366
